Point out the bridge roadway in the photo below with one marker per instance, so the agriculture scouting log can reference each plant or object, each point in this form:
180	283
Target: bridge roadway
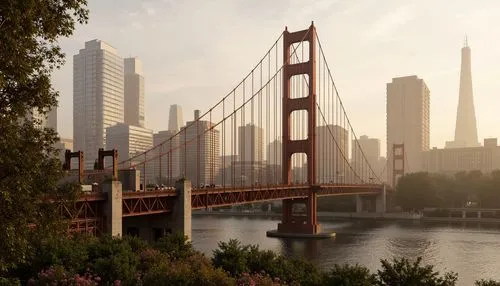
141	203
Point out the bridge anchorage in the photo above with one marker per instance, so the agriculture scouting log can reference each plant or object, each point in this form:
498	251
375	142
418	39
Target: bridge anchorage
289	103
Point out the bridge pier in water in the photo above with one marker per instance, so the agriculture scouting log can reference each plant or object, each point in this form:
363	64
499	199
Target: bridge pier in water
306	224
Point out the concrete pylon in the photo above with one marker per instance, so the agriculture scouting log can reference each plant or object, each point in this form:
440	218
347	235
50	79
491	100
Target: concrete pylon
113	208
181	214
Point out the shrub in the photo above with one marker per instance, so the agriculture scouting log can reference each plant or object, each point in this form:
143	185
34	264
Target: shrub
348	275
113	259
403	272
175	245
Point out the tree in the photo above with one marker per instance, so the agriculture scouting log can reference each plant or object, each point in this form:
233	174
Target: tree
416	191
348	275
29	169
404	272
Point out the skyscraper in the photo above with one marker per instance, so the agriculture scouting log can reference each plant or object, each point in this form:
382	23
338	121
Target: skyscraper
465	129
128	139
52	118
134	93
200	158
251	143
332	147
366	150
274	153
408	121
98	100
175	120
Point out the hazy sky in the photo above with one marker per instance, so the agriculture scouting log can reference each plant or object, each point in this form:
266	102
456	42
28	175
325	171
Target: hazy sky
194	52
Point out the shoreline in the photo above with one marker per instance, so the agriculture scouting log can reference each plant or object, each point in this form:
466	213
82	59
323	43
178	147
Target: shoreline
333	216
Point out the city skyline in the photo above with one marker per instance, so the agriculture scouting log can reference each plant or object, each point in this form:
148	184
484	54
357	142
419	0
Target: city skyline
172	83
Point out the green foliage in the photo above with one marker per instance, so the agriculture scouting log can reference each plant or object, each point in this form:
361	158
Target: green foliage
113	259
9	281
175	245
419	190
231	256
29	52
348	275
193	270
404	272
484	282
58	250
238	259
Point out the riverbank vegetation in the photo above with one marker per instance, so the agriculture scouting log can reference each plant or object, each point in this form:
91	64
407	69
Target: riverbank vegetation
465	189
84	260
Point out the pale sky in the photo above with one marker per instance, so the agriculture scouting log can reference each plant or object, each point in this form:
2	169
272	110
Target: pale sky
194	52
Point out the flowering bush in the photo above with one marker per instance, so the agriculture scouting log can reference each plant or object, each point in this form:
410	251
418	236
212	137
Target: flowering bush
57	275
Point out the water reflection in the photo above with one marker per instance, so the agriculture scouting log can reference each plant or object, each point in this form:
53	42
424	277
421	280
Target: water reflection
472	250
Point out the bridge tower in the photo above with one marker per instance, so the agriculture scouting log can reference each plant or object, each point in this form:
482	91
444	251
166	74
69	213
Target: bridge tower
290	222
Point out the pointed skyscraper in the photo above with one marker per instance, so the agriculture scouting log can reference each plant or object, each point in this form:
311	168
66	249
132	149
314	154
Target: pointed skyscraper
465	129
175	121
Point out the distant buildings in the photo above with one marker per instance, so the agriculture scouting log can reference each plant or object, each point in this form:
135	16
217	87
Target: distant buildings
128	139
367	150
200	158
133	93
449	161
251	143
98	100
168	166
63	145
408	121
332	154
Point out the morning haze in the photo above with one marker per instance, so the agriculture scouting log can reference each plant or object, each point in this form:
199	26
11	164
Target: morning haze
194	52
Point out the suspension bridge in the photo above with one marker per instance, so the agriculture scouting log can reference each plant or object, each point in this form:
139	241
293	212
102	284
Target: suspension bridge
281	134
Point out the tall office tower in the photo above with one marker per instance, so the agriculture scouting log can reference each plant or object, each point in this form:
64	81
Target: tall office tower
97	97
407	121
175	118
200	158
133	92
128	140
332	154
168	166
465	129
251	143
366	150
52	118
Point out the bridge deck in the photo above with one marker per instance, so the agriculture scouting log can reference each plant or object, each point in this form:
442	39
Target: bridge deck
154	202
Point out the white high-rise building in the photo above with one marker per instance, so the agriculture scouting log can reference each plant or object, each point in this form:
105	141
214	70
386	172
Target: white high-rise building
128	140
175	120
251	143
134	92
98	96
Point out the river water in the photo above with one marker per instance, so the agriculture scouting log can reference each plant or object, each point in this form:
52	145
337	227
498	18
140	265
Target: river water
473	251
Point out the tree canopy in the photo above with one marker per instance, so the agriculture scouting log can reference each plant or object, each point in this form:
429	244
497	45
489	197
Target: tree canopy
420	190
29	169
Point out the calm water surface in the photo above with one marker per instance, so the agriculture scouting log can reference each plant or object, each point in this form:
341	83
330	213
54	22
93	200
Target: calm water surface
471	250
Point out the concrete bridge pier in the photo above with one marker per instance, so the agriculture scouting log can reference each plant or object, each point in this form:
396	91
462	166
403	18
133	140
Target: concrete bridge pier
153	227
371	204
113	208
